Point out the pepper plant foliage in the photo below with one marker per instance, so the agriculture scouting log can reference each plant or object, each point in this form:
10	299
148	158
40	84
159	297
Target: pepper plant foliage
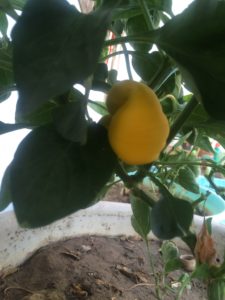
66	163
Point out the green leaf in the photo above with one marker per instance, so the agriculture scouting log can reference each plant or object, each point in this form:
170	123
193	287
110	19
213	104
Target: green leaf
41	116
169	251
186	178
190	240
171	217
141	218
7	127
6	74
181	140
137	25
178	157
101	72
216	289
173	265
98	106
99	78
132	8
52	177
164	5
112	76
216	131
198	116
18	4
195	40
194	168
208	223
171	86
170	255
6	6
5	194
3	24
69	120
148	65
202	272
203	141
206	125
49	56
118	26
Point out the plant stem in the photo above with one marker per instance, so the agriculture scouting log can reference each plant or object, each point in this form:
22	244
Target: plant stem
128	180
189	162
141	194
146	13
184	282
215	187
117	53
87	85
181	119
131	183
5	127
165	192
151	37
157	288
127	60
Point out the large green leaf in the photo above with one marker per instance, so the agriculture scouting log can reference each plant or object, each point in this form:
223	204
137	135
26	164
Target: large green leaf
131	8
3	24
7	7
208	126
6	74
101	72
171	217
18	4
148	65
5	195
52	177
70	122
39	117
170	256
7	127
137	25
203	141
171	86
186	178
195	40
169	251
141	218
55	46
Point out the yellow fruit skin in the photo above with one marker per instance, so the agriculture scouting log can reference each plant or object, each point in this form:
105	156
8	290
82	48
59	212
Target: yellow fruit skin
119	94
138	129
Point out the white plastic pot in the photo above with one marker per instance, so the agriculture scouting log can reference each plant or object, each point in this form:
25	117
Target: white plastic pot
104	218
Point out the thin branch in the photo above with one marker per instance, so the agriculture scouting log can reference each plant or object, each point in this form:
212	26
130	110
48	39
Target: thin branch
189	162
117	53
150	37
5	127
127	60
182	118
146	13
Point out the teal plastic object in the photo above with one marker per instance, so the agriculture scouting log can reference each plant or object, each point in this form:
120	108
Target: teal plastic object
214	204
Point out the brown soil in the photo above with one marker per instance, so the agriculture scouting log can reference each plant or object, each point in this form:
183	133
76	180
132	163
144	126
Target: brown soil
117	193
94	268
91	267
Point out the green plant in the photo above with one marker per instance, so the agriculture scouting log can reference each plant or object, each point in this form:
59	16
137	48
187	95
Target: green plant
66	161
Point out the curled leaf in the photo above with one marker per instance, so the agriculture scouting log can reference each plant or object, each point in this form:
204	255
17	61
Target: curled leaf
195	40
